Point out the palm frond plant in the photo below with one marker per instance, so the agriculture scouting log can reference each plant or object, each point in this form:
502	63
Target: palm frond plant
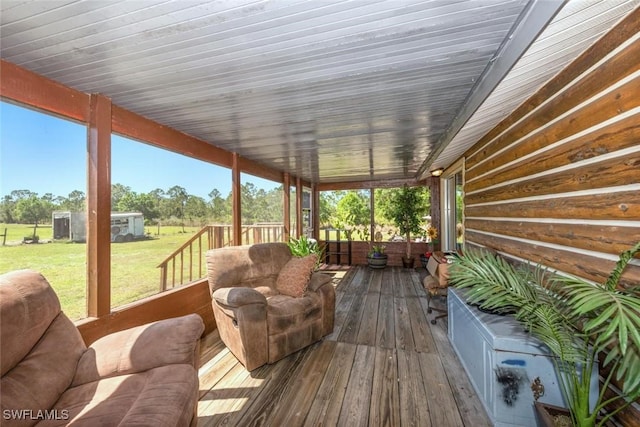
577	320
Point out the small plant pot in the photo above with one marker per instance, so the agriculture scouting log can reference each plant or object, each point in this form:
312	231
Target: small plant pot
552	416
424	260
407	262
377	262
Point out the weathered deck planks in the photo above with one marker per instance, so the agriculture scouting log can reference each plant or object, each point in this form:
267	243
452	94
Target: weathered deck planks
384	365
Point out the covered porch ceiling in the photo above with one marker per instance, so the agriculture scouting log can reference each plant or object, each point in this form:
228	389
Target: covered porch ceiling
328	91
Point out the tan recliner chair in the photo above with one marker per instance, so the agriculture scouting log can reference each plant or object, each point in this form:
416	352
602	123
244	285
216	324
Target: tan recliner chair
144	376
258	323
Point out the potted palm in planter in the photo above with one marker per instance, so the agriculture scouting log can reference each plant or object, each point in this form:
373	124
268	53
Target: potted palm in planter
406	212
575	319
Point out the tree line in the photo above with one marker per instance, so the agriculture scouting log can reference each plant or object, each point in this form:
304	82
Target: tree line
174	205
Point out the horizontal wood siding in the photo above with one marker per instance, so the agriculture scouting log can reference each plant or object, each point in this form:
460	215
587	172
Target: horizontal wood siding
558	182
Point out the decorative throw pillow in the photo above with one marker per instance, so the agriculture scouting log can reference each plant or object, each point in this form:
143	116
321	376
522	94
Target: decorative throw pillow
295	275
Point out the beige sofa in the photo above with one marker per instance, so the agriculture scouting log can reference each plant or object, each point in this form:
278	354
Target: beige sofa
144	376
256	321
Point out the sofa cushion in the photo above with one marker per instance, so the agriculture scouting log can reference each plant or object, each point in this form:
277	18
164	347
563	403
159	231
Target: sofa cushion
238	265
160	343
294	276
40	345
39	380
161	396
28	305
284	312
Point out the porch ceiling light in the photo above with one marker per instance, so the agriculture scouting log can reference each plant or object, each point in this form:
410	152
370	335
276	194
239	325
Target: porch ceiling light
437	172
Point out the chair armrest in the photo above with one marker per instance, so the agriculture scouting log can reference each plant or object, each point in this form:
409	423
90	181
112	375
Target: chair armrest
161	343
237	297
318	280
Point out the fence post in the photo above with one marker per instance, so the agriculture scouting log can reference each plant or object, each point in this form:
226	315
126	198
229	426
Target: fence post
4	237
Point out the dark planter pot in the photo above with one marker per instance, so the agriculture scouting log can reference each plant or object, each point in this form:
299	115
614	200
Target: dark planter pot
407	262
551	415
424	260
379	261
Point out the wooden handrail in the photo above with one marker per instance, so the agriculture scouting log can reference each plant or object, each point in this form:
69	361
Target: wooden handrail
178	269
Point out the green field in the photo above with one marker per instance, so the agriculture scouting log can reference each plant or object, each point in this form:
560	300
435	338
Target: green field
134	272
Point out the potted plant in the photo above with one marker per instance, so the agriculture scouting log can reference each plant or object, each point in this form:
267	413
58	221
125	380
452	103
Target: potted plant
376	258
406	212
304	246
575	319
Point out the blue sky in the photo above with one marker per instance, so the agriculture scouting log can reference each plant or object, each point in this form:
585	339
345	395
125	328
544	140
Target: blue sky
46	154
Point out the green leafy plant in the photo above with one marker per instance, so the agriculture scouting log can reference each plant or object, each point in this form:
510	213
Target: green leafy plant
575	319
406	210
304	246
376	251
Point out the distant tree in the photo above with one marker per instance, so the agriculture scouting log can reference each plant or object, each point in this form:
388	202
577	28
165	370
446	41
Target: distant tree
33	210
74	202
195	209
160	202
274	205
352	211
7	209
177	199
9	202
144	203
328	207
248	193
219	208
118	191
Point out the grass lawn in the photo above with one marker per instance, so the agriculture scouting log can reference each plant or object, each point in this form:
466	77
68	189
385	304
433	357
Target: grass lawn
134	272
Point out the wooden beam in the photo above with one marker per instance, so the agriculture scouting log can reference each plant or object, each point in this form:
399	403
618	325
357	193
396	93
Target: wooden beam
135	126
99	207
260	170
30	89
286	200
299	228
236	200
364	185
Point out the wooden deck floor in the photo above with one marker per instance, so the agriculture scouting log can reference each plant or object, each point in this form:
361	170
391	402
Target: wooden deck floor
384	365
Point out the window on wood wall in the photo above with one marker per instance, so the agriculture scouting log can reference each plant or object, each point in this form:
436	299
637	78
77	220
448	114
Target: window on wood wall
43	175
167	211
453	211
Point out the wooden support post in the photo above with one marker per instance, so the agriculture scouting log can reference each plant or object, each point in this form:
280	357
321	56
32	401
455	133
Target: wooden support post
299	218
434	190
286	200
236	200
372	221
315	211
99	207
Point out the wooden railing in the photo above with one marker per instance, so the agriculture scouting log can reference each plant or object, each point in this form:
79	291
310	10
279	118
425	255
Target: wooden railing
188	263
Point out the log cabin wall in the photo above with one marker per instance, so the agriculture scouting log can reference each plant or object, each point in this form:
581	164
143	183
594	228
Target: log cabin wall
558	182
